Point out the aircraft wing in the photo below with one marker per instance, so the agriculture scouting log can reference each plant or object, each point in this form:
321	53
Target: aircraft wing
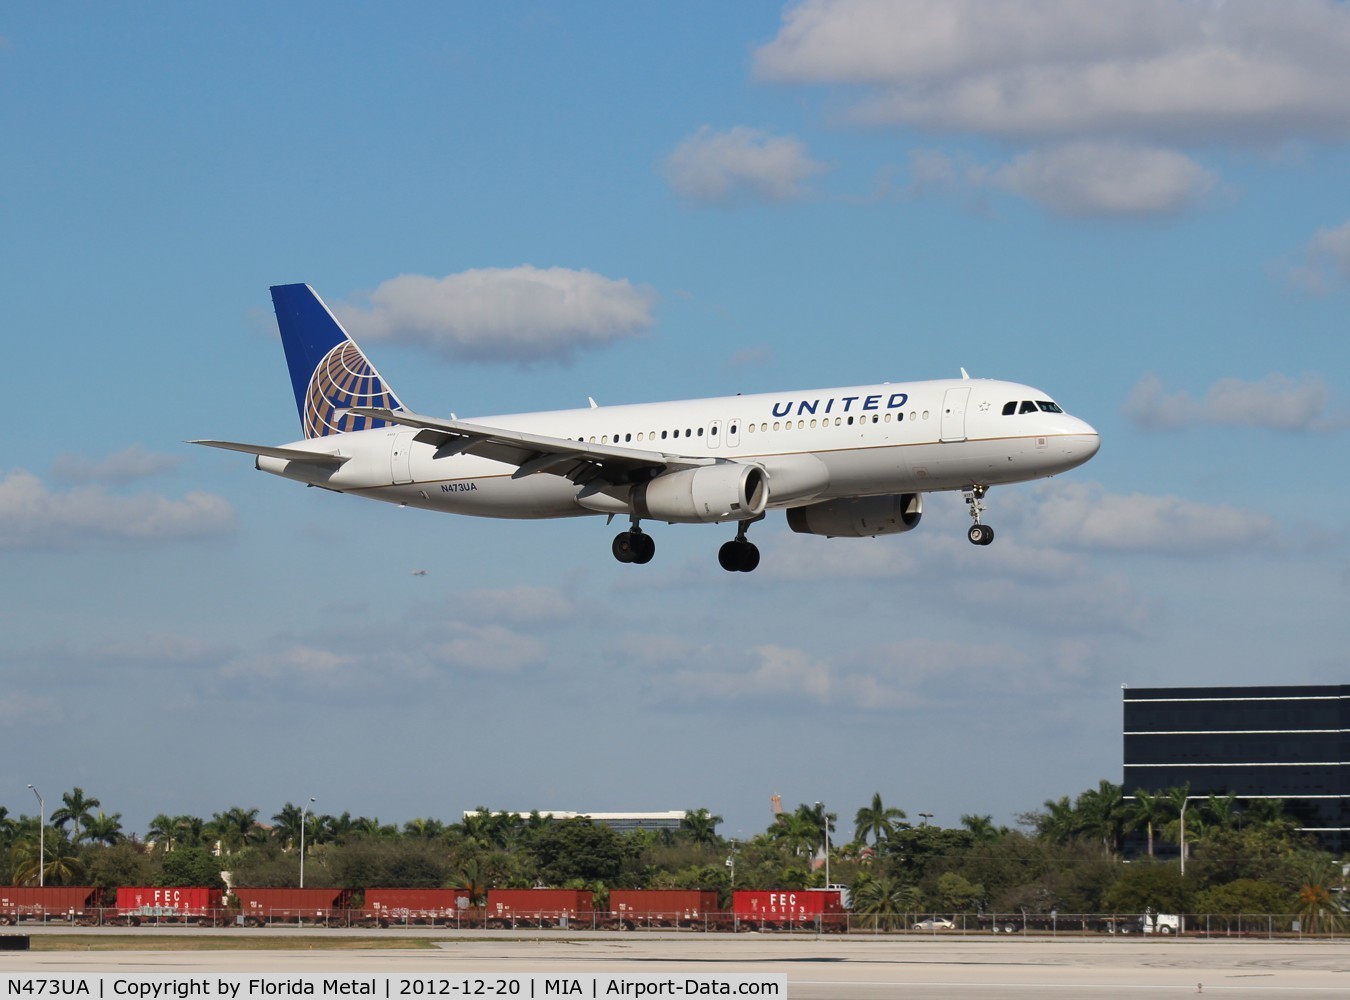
579	461
324	458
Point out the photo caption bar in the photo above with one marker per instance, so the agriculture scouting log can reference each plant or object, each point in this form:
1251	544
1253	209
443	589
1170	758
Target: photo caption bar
159	986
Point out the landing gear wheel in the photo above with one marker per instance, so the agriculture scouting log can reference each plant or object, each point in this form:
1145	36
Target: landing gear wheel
738	556
634	547
980	534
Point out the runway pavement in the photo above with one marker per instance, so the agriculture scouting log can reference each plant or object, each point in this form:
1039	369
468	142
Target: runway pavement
824	968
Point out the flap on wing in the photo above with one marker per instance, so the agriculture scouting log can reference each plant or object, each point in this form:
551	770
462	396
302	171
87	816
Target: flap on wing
326	459
580	461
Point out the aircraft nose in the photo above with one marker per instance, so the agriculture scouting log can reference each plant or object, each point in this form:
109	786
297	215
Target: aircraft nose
1086	440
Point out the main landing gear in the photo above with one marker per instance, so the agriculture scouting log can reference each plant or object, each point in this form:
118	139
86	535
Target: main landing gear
634	545
979	534
739	555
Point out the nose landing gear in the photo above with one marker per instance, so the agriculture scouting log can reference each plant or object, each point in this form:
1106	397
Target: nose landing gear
979	534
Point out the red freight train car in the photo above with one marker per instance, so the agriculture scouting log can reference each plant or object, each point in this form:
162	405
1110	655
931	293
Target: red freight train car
263	906
539	907
53	902
417	906
664	907
187	904
770	908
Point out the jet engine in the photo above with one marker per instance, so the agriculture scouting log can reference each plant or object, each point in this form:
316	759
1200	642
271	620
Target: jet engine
731	491
858	517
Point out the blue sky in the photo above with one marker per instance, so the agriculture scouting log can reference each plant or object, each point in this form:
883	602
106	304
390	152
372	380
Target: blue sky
1141	208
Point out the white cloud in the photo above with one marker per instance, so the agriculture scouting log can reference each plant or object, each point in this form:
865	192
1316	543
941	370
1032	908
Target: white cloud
521	603
522	314
125	466
1277	402
35	517
1107	179
1088	179
1085	516
1326	261
714	167
487	649
1158	70
32	711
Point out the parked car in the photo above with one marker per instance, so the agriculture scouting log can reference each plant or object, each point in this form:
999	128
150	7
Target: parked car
935	924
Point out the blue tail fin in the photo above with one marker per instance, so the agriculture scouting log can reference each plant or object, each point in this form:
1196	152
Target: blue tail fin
328	371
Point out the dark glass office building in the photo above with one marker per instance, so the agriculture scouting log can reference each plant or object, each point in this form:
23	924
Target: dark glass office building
1289	743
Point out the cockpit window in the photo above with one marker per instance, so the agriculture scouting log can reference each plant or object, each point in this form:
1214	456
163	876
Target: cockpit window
1028	406
1010	408
1048	406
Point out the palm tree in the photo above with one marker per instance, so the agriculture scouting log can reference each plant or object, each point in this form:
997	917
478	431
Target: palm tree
798	832
1150	811
286	825
1101	814
103	829
885	898
191	831
59	866
424	829
1317	909
877	820
700	826
236	828
1059	823
163	829
982	827
1221	812
7	827
76	809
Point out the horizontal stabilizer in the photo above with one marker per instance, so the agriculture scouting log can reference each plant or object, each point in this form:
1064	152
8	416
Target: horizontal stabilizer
322	458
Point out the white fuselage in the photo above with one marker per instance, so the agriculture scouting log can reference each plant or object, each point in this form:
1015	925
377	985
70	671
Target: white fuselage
814	445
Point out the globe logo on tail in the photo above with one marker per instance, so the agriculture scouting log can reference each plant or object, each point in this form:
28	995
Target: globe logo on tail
343	379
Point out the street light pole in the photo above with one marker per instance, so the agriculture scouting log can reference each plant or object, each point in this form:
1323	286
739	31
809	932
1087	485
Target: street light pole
302	840
42	837
826	821
925	817
1184	803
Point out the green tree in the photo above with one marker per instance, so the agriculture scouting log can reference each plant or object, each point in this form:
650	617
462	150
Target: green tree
103	829
1243	895
236	828
1101	815
286	826
76	808
877	821
579	849
1150	812
957	894
163	831
982	827
189	866
700	826
1143	886
887	899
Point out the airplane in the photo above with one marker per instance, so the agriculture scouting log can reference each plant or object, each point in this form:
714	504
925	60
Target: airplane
843	462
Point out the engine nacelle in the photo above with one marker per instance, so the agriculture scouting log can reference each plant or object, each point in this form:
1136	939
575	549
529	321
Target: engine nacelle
729	492
858	517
